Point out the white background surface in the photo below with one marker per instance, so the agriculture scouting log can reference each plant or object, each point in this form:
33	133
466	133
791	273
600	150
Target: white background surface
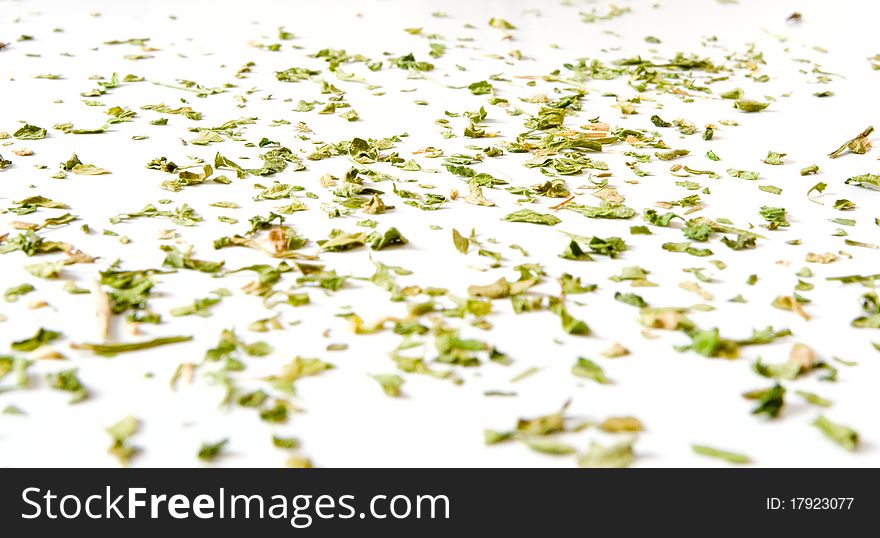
681	398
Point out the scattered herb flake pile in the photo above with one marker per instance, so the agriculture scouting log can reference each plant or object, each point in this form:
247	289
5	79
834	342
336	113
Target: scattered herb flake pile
393	233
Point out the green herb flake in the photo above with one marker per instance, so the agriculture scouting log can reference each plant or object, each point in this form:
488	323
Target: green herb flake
208	452
530	216
842	435
748	105
724	455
